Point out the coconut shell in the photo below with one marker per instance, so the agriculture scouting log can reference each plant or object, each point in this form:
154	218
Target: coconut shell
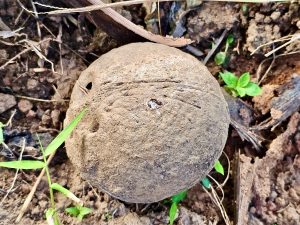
156	122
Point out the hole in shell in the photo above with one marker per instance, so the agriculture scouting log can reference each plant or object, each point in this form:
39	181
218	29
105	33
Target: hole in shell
154	104
89	86
95	127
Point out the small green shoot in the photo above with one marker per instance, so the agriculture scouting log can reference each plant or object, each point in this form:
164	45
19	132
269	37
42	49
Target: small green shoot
66	192
176	199
206	183
219	168
221	57
241	86
51	215
78	211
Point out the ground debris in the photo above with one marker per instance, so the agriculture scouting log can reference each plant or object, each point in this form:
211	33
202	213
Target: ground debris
276	182
283	106
6	102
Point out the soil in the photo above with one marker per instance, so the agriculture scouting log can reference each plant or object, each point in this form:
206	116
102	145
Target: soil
264	183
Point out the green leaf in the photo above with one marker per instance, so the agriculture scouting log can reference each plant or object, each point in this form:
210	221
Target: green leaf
66	192
241	91
253	89
63	135
179	197
230	79
244	80
23	164
230	39
219	168
83	211
172	213
220	58
74	211
206	183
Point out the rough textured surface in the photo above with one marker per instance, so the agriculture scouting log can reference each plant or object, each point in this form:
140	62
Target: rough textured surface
6	102
155	124
210	20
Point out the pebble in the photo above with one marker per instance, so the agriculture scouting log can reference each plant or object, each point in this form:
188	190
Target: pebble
275	16
43	204
259	18
24	105
32	84
6	102
55	117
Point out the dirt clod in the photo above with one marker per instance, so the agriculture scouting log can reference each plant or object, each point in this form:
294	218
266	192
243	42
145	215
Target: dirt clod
141	152
6	102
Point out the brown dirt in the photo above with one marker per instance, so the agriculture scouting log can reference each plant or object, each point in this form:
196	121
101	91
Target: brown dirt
275	195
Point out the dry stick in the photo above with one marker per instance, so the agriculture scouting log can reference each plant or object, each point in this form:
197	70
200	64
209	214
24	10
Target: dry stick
96	7
227	176
294	38
15	57
268	70
211	52
30	195
133	2
215	200
40	100
16	175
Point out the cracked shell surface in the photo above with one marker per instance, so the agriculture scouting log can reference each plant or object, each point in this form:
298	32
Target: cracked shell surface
156	121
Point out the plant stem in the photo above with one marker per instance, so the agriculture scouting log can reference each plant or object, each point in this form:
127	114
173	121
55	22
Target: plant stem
56	221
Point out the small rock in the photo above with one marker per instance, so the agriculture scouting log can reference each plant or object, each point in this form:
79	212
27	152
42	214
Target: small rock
31	114
43	204
3	55
6	102
46	118
35	210
25	105
267	19
259	18
32	84
55	117
275	16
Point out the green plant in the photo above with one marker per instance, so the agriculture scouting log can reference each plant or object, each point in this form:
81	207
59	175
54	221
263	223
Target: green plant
241	86
176	199
78	211
51	215
219	168
222	57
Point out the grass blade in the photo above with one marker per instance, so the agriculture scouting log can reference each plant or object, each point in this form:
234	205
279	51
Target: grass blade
23	164
172	213
66	192
52	147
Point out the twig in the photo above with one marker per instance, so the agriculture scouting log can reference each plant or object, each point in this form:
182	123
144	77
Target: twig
40	100
268	70
211	52
96	7
15	57
30	195
16	175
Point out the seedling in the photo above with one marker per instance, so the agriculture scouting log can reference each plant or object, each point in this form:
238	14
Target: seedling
51	215
222	57
78	211
241	86
219	168
176	199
